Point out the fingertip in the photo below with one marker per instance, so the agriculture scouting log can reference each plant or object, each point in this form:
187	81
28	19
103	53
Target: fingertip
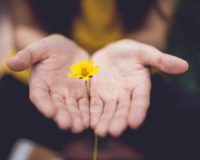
174	65
117	127
85	118
86	122
100	133
77	130
134	124
77	126
115	132
186	65
182	65
12	64
135	119
93	122
100	130
63	120
63	125
49	112
18	62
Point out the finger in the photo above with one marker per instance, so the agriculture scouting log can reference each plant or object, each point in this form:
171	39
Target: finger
165	62
62	118
72	106
139	104
120	118
40	97
28	56
106	117
96	109
84	109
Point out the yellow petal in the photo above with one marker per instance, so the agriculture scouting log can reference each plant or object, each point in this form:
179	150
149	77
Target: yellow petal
72	75
83	69
83	63
76	68
91	64
94	70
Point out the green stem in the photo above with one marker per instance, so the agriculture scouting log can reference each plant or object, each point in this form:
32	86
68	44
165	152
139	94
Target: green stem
87	88
95	151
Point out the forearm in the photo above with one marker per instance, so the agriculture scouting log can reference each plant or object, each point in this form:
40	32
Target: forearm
26	28
155	28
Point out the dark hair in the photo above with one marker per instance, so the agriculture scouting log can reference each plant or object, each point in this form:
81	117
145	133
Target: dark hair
50	13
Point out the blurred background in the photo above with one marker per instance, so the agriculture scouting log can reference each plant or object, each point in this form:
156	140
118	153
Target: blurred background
172	128
184	41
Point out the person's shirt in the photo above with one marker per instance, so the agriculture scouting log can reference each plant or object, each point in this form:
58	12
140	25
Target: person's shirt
92	23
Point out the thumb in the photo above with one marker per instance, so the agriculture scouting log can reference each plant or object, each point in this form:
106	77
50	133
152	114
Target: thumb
173	65
29	56
165	62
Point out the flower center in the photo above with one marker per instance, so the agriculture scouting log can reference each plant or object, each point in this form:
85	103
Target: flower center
84	71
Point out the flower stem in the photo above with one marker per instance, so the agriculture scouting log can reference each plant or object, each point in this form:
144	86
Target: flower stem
87	88
95	151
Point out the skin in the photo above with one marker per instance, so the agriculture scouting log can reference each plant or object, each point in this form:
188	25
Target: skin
54	94
119	93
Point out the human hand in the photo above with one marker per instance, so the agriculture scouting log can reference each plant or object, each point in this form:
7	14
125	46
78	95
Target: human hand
120	93
51	91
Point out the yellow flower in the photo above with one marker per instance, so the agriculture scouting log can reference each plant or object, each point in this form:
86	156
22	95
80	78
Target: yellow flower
83	70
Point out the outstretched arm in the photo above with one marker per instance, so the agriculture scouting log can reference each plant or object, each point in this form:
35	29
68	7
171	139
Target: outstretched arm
156	26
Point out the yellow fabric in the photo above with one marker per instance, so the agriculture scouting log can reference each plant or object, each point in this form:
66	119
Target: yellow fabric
97	25
22	76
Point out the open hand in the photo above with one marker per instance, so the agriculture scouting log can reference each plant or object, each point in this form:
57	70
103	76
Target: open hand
53	93
120	93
